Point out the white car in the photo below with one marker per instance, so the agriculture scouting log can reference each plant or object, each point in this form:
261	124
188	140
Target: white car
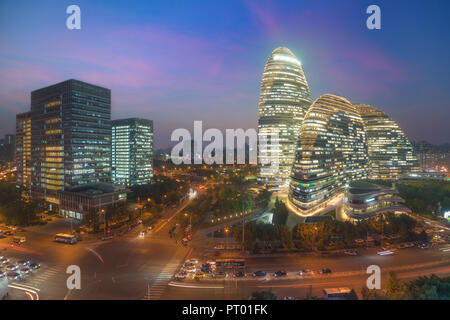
190	269
193	260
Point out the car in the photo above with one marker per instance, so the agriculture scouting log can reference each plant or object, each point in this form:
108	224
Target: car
12	267
325	271
193	260
25	270
305	272
4	260
24	262
259	273
2	274
191	269
199	275
239	274
189	263
351	252
180	275
220	275
142	233
150	228
13	275
34	266
280	273
385	253
8	233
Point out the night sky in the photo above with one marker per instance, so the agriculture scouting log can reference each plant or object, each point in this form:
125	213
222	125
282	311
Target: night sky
180	61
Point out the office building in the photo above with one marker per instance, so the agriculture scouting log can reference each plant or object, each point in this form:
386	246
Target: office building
390	153
132	151
332	151
284	100
70	130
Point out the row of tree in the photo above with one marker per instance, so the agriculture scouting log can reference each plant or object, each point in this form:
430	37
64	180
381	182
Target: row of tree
422	288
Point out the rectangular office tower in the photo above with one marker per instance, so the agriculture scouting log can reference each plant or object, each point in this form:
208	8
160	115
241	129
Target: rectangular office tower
70	137
132	151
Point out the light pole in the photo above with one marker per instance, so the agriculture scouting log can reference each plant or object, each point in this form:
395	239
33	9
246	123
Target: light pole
226	233
104	222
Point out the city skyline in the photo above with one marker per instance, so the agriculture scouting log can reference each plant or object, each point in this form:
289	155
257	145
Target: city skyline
168	63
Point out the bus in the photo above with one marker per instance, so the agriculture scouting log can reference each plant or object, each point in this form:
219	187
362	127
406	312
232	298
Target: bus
65	238
230	264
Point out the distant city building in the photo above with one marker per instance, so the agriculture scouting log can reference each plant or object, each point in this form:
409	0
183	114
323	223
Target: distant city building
77	201
364	200
132	151
433	157
284	100
390	152
332	152
70	138
23	150
7	148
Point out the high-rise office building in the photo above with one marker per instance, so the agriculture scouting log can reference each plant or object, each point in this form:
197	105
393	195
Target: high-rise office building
390	152
23	150
332	151
70	137
284	100
132	151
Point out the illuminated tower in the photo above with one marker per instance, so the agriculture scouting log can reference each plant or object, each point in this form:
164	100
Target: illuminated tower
284	100
390	152
332	152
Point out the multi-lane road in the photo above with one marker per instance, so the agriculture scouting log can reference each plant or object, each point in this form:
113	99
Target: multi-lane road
121	268
136	267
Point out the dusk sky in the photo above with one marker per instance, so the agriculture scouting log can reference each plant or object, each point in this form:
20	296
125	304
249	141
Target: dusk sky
180	61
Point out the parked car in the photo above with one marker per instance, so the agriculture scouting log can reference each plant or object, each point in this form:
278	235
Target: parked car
259	273
4	260
24	262
12	267
13	275
199	275
280	273
2	274
351	252
34	266
220	275
25	270
180	275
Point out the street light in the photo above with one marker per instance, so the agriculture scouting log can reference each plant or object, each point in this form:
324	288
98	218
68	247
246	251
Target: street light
226	233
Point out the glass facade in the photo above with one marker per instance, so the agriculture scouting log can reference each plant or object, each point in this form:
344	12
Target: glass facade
70	137
390	152
23	149
332	151
284	100
132	151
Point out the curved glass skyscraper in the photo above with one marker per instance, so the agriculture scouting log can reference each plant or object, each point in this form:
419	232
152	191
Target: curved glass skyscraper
332	151
390	152
284	100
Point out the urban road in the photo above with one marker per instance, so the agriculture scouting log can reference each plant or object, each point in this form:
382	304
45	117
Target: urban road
127	266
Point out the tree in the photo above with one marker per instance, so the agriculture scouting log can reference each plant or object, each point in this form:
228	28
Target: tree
285	236
393	286
263	295
280	213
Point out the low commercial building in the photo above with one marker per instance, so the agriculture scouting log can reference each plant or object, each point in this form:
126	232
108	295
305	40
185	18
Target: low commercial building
78	201
364	200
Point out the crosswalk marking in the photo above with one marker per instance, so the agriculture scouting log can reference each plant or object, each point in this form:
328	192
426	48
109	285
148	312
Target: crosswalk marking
161	280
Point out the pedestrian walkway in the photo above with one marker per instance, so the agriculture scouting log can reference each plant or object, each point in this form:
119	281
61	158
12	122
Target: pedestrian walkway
159	281
43	274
